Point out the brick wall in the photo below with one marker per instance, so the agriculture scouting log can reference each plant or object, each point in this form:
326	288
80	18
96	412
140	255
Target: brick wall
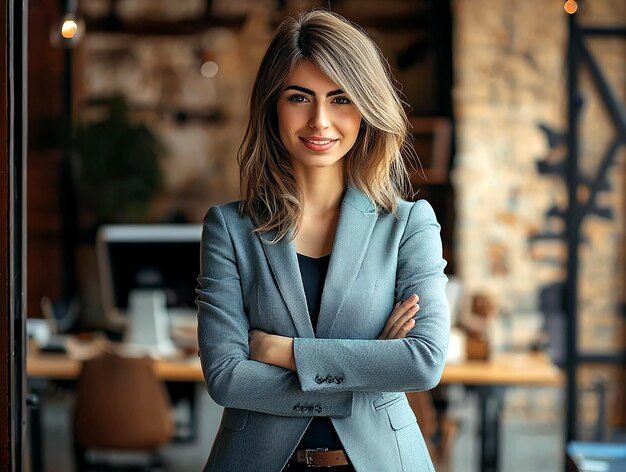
510	77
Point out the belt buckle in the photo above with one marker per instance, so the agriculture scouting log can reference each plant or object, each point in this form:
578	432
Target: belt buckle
309	459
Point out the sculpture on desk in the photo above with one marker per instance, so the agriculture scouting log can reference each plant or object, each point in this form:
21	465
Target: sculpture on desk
475	324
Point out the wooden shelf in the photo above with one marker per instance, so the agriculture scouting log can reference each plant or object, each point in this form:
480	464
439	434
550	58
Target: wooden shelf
161	28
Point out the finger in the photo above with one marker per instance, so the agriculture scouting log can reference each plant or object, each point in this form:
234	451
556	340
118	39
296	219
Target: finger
406	315
406	327
397	313
399	310
392	318
396	316
400	322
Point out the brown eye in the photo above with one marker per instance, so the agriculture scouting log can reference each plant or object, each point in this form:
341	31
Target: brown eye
342	101
297	98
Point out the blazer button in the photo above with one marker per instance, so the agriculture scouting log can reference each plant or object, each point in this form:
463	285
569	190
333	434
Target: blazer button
338	380
329	379
319	379
318	408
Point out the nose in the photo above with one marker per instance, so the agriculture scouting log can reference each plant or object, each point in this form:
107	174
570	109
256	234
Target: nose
319	117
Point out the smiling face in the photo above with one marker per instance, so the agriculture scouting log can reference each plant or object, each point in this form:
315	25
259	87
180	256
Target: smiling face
318	123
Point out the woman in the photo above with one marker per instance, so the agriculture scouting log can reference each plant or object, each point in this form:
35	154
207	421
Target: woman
301	338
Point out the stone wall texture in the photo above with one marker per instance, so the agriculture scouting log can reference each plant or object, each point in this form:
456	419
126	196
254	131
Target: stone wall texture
510	77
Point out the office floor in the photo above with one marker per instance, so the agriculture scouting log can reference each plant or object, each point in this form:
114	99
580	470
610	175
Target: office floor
528	443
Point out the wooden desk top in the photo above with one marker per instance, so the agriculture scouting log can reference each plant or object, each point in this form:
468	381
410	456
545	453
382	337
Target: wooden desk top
504	369
61	367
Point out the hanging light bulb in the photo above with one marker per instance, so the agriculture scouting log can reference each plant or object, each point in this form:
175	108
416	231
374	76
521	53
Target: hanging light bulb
68	31
69	28
570	6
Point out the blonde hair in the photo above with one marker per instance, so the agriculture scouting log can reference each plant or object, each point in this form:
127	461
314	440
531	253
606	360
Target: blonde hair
374	165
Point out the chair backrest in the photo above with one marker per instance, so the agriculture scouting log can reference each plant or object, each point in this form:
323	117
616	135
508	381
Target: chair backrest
121	404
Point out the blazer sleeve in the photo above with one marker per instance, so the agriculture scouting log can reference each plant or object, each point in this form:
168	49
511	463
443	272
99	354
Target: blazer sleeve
232	379
410	364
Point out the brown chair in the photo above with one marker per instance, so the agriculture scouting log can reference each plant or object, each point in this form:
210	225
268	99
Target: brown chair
120	405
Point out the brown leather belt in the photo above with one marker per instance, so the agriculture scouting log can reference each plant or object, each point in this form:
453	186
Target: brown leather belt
320	457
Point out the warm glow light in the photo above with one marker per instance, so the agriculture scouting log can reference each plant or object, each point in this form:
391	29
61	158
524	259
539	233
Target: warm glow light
570	6
209	69
69	29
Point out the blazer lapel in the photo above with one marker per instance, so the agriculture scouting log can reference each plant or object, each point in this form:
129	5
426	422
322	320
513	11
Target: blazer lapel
283	261
356	222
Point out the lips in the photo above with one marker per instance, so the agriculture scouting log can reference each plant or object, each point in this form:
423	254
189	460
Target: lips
318	143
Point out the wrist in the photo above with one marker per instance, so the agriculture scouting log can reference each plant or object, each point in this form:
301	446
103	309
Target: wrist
280	352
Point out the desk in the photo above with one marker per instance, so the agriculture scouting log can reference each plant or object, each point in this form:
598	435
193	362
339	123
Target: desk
505	369
61	367
488	378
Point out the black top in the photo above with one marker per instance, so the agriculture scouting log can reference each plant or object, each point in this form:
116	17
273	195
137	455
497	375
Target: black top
320	432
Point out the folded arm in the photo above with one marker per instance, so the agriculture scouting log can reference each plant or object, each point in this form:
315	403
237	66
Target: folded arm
233	380
412	363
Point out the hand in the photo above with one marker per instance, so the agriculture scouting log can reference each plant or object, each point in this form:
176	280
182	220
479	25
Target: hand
401	320
271	349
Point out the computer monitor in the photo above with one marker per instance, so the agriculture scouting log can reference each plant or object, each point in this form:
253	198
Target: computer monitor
148	276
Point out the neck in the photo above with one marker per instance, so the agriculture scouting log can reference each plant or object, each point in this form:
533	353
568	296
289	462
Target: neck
322	190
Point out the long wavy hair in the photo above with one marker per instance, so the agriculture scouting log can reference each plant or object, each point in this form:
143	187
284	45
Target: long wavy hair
375	164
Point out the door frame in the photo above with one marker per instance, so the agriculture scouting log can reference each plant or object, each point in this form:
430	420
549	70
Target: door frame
13	118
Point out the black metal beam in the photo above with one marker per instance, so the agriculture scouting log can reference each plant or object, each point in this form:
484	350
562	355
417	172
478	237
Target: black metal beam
17	50
576	54
607	161
618	358
604	31
573	220
610	99
161	28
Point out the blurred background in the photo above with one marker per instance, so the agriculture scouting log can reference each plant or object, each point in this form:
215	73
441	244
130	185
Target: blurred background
136	109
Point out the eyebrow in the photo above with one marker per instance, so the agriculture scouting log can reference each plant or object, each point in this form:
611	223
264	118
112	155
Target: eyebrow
311	92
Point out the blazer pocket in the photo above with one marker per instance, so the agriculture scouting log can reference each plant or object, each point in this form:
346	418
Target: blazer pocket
235	419
412	448
387	400
400	415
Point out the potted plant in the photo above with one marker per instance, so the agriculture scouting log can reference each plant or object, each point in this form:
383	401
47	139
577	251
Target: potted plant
115	164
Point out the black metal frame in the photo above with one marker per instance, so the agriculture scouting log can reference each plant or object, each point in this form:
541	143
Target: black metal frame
579	54
17	111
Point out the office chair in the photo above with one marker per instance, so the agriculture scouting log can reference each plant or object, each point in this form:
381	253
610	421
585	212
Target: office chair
121	405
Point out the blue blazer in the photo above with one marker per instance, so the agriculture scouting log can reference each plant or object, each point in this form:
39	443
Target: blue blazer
343	370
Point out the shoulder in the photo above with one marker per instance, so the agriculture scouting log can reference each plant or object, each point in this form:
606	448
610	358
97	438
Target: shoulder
421	210
224	211
415	212
419	216
227	215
